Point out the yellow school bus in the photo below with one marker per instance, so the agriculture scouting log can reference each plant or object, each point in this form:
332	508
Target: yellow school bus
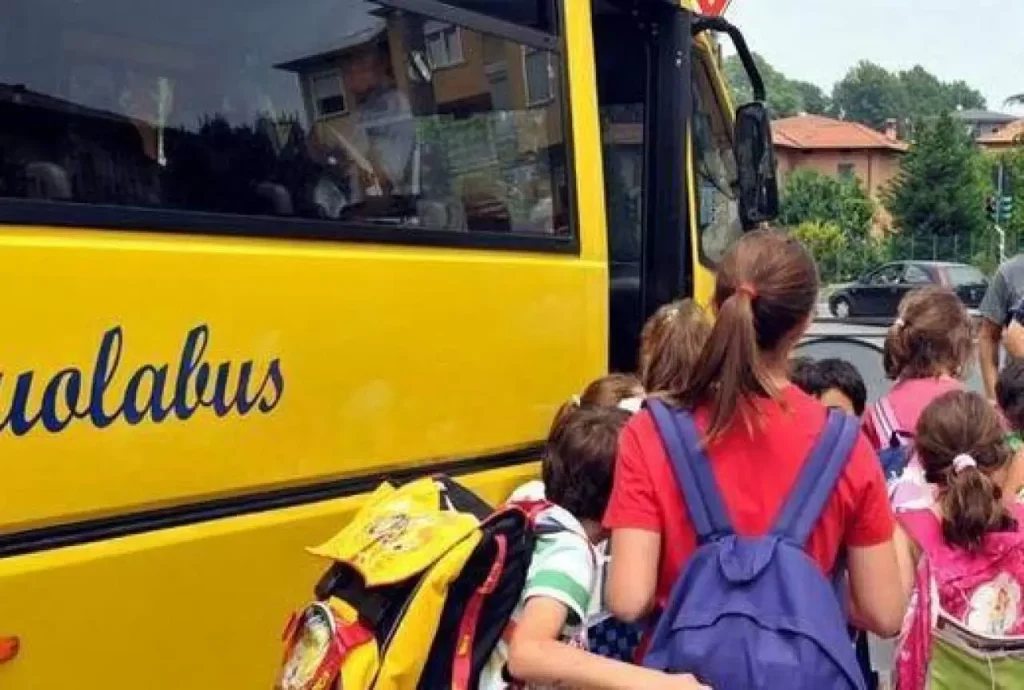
260	256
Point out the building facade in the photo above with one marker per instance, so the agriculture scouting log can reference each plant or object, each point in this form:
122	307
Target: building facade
839	149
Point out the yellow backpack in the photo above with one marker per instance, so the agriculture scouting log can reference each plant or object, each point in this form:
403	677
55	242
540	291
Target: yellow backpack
422	584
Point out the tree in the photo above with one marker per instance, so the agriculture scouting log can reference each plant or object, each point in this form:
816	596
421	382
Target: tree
940	189
963	95
871	95
814	99
1012	163
785	96
1016	99
811	196
826	242
924	92
927	96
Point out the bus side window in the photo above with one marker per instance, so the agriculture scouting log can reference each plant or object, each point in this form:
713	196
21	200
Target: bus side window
317	110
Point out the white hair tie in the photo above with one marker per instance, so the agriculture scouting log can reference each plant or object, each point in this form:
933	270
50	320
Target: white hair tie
899	323
632	405
962	462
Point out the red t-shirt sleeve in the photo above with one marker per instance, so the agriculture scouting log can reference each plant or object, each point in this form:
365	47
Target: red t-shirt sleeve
872	521
633	503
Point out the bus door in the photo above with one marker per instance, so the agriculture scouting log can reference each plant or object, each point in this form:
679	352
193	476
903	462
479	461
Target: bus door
683	175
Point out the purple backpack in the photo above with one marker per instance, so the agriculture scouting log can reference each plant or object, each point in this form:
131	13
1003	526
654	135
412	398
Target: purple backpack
755	613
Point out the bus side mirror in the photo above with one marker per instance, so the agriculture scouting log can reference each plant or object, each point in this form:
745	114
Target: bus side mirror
755	156
755	164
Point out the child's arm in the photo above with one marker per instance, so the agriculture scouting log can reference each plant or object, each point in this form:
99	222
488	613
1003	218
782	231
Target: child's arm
1012	488
537	656
907	556
633	573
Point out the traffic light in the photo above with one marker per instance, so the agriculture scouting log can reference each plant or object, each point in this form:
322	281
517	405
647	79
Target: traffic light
991	209
1005	209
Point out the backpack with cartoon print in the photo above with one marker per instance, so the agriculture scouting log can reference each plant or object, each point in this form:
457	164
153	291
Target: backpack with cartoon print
965	626
421	586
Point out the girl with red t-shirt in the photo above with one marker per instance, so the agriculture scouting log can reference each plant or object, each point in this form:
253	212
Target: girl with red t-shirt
759	430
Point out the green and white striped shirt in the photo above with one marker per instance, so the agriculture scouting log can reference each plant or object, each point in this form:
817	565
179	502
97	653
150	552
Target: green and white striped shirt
563	568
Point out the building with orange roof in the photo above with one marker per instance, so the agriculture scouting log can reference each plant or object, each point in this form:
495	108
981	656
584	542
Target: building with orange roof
1003	139
839	149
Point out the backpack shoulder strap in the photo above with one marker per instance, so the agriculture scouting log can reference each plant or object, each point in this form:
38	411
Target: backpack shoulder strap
887	425
817	480
889	412
692	470
883	427
923	526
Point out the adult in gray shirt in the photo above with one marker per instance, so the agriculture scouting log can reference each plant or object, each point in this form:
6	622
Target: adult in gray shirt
1004	293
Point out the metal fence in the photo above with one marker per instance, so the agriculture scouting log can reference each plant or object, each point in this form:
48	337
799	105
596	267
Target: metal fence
978	250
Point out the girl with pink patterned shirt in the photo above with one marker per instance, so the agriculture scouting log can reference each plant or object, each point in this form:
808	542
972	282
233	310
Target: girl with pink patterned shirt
963	554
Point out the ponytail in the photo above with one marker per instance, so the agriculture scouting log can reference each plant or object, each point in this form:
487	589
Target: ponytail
972	507
730	369
961	443
932	336
766	290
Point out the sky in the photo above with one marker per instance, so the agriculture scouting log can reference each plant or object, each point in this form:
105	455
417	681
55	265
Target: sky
979	41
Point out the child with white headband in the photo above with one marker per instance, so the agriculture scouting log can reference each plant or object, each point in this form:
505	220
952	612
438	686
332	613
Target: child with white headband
962	556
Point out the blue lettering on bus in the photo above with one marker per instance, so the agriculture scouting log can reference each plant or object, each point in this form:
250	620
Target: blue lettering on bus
153	392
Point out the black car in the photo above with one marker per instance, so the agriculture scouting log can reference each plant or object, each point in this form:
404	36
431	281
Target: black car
879	292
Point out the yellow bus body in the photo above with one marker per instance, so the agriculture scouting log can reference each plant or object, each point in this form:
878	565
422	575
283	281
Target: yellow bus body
387	358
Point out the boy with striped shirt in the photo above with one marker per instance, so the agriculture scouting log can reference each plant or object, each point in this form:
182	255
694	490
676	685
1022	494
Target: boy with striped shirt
547	646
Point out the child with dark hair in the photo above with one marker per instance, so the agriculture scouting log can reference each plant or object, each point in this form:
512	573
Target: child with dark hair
620	392
842	386
835	382
579	463
1010	394
801	373
548	645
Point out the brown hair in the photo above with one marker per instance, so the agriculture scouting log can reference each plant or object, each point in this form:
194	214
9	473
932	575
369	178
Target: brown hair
607	391
610	390
931	337
579	461
964	423
766	288
670	345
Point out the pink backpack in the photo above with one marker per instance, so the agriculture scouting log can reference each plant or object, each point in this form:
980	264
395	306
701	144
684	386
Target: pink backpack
908	489
982	592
